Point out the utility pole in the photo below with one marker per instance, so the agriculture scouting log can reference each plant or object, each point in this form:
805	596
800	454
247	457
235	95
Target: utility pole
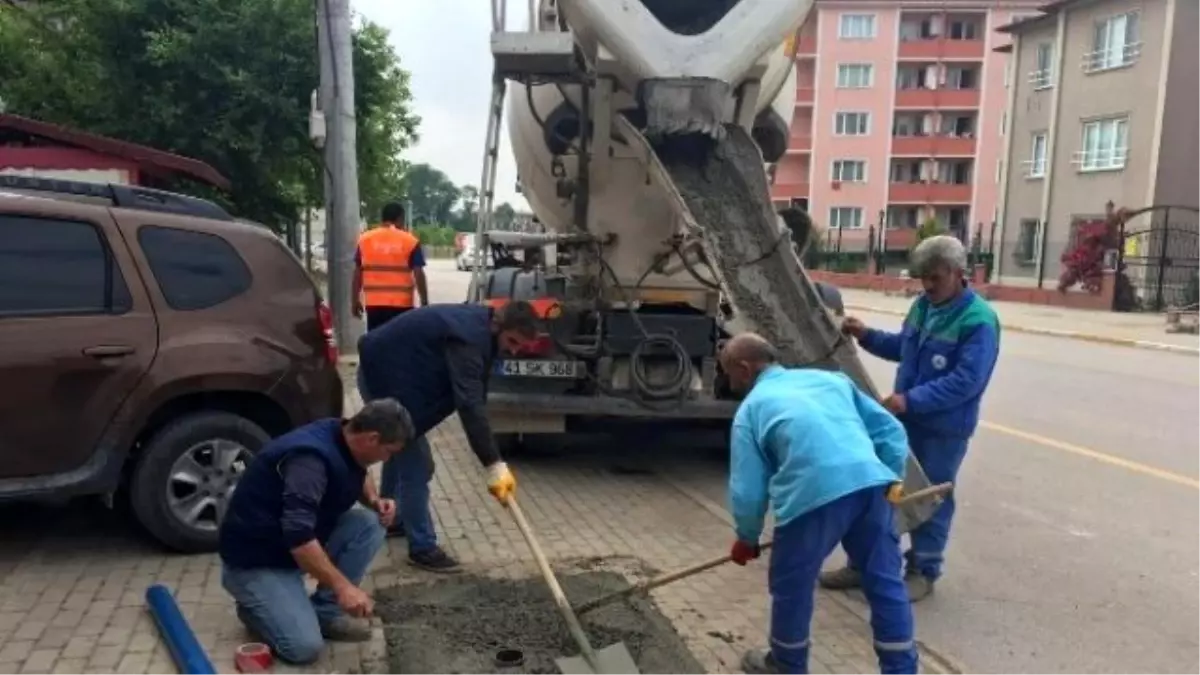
342	215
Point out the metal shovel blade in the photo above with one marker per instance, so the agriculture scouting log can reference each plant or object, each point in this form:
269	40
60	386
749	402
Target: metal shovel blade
614	658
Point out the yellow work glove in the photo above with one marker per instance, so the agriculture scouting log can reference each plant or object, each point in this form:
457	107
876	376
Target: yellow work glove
501	482
895	492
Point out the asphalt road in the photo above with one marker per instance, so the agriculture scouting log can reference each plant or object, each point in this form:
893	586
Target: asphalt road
1077	536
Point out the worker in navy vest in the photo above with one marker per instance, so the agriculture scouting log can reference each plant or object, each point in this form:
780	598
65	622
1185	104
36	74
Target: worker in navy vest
294	513
947	349
436	360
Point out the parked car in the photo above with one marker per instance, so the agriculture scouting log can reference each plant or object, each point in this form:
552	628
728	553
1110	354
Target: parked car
465	259
151	345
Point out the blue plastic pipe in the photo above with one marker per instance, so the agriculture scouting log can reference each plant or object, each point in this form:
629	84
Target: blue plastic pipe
186	650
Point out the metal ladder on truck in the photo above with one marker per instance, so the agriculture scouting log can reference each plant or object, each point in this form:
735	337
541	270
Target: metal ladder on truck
527	57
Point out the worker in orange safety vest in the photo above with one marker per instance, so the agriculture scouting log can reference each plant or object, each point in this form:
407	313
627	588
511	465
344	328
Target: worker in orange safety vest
389	270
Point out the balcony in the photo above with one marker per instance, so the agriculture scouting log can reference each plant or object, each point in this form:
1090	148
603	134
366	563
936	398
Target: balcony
789	191
806	47
805	96
799	143
938	98
929	193
933	146
938	49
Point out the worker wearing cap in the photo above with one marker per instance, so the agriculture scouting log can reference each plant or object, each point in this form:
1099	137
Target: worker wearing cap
436	360
947	350
809	445
389	270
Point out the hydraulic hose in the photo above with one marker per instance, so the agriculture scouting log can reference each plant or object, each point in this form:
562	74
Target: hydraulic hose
681	375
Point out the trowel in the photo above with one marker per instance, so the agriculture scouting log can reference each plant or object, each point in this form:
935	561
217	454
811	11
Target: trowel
614	658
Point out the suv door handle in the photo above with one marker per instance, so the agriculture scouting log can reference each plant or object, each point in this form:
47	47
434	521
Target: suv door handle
108	351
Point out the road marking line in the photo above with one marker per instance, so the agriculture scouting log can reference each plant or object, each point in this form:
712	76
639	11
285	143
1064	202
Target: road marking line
1136	467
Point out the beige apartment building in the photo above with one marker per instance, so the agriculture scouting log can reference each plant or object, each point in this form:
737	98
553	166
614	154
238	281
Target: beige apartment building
1102	105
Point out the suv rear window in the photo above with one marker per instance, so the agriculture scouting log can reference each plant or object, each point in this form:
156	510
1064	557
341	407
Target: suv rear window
55	267
195	270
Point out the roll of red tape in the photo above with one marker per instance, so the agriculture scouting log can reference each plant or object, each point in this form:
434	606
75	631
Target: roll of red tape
253	657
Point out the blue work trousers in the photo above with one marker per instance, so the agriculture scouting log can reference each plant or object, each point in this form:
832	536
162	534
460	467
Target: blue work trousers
275	604
406	478
940	457
863	522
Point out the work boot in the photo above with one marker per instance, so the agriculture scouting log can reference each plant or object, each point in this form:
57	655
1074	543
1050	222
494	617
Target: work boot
760	661
346	629
919	587
433	560
841	579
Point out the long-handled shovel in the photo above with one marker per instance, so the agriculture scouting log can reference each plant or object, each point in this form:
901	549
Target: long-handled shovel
614	658
669	577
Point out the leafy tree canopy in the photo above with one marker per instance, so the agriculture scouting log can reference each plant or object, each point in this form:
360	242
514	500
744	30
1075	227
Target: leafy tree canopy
224	81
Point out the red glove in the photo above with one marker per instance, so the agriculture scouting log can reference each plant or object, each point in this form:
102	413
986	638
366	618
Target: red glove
742	553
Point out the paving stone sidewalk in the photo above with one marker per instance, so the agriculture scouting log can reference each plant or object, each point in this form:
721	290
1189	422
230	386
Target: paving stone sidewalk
72	593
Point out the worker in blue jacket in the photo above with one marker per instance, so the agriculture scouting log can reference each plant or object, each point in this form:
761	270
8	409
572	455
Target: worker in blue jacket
435	360
822	454
947	350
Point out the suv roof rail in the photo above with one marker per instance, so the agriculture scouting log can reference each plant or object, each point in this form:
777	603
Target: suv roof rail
124	196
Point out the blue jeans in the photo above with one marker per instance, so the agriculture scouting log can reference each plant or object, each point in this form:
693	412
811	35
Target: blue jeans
941	458
274	603
863	522
406	478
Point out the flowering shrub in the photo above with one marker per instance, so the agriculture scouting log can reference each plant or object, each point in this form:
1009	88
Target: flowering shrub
1083	262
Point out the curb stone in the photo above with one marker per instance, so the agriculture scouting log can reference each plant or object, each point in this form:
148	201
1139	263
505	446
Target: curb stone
1071	335
932	660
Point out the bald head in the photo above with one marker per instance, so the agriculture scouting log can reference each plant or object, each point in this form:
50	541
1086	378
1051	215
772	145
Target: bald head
744	357
751	347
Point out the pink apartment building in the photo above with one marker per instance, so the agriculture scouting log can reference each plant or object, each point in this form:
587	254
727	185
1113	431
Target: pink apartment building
900	113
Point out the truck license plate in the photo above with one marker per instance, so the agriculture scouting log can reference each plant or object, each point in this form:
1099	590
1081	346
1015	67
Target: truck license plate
540	368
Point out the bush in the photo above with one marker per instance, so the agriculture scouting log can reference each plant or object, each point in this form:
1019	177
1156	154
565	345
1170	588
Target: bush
435	235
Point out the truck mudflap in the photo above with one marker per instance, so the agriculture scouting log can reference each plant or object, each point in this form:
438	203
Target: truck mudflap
514	403
719	190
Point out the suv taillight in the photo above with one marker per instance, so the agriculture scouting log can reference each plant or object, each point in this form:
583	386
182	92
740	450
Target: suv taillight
325	317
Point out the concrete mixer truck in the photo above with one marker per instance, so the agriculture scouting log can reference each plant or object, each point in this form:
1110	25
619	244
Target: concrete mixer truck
641	130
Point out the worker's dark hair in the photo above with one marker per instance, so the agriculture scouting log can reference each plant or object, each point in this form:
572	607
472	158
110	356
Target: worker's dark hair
386	417
393	212
518	315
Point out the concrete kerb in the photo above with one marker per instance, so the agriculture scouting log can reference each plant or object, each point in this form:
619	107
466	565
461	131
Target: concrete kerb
933	660
1070	335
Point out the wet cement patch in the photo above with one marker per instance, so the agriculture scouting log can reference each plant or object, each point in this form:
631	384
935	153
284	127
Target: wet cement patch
457	624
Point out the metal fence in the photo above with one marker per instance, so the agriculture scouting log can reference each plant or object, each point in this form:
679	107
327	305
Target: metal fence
848	251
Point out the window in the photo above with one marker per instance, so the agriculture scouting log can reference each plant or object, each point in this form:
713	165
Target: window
908	79
1029	243
56	267
845	217
1105	143
962	78
849	171
954	172
963	30
908	171
194	270
1114	43
1042	77
856	26
1037	157
851	123
855	75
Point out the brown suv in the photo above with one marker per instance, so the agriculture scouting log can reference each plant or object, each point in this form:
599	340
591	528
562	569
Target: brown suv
149	344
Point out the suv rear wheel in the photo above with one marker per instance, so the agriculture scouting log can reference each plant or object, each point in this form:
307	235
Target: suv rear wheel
186	476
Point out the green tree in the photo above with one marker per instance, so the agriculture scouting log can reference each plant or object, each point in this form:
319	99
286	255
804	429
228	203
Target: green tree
224	81
466	218
432	193
503	216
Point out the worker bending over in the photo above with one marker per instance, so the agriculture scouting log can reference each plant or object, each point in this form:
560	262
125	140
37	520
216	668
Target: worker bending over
292	513
436	360
822	454
388	267
947	350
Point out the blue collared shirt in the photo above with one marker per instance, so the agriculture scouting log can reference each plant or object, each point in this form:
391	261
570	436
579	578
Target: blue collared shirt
803	438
